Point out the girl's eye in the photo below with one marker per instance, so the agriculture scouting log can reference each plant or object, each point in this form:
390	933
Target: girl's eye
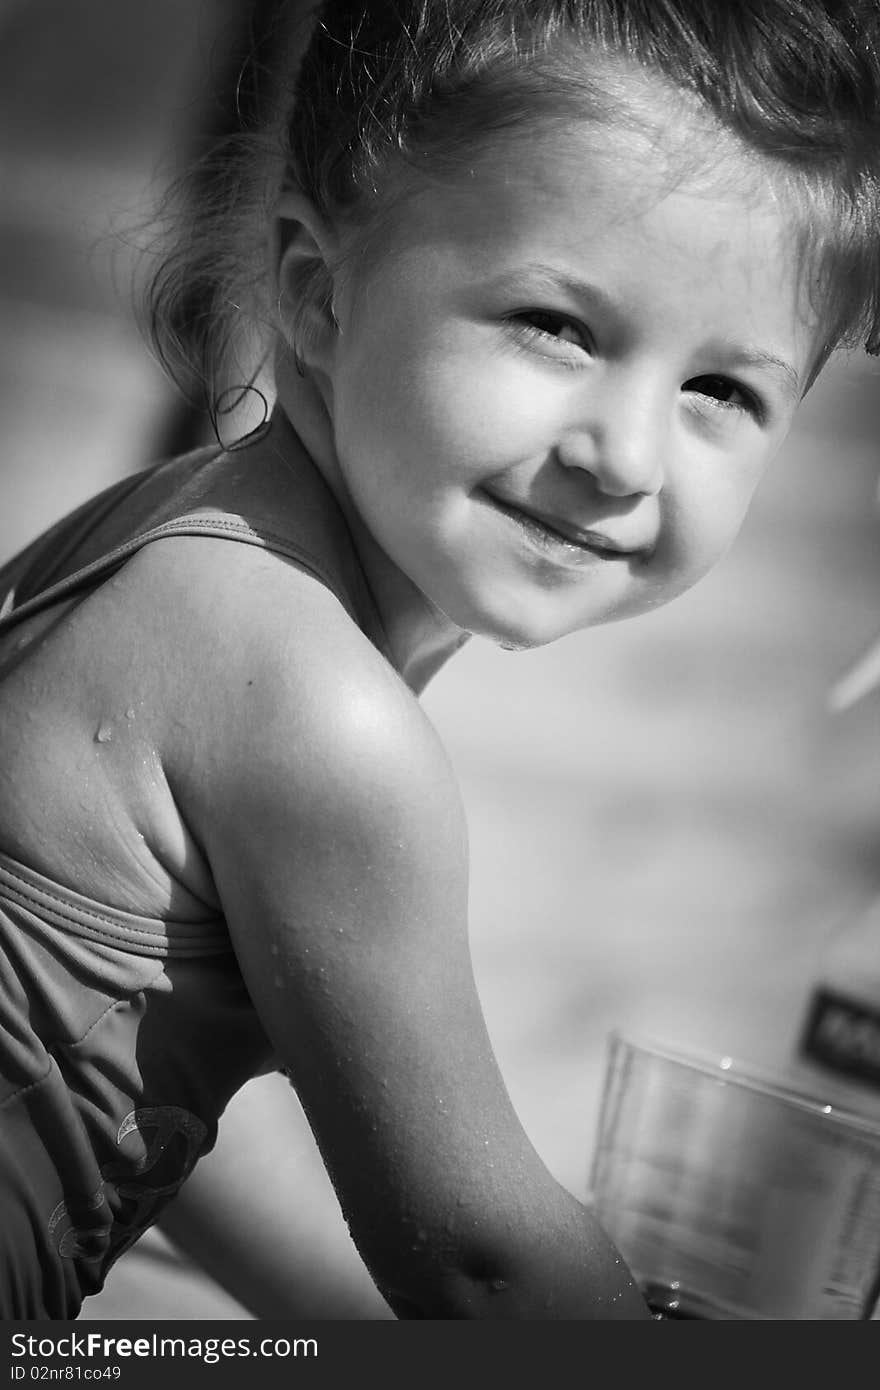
555	334
724	394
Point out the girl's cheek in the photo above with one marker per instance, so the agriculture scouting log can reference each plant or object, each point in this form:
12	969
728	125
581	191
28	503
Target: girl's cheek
487	401
702	523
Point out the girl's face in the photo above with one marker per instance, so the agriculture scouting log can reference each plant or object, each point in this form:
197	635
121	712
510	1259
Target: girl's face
556	389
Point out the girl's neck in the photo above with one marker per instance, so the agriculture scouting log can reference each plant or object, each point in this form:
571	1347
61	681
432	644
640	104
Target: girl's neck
420	638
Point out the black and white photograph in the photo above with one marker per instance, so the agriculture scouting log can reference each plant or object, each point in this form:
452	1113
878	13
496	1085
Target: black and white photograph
439	670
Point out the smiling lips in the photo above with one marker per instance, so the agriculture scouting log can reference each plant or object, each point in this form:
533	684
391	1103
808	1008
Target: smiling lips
557	532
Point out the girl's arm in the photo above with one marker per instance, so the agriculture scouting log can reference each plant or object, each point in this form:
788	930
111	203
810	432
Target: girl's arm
260	1216
331	820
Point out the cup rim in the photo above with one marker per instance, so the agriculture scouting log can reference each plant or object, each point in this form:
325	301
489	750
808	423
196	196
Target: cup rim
726	1068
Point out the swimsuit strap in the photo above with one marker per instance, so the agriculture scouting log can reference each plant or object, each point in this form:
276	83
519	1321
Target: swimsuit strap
265	492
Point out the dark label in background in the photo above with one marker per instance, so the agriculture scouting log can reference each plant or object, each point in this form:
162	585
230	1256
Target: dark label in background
844	1036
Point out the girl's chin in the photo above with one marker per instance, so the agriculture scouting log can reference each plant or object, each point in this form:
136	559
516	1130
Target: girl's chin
538	626
519	615
523	630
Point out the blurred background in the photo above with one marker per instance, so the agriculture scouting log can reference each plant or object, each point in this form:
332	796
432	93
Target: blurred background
667	822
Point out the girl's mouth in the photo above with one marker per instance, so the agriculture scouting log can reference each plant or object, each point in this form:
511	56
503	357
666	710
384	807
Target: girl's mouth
554	535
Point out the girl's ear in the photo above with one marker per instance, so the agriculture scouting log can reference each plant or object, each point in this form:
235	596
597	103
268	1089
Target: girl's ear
301	249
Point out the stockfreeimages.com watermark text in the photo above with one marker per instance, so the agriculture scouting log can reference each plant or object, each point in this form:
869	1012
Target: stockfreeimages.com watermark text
75	1346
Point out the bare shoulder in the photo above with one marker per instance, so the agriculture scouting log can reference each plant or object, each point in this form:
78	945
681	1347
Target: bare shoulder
324	804
272	695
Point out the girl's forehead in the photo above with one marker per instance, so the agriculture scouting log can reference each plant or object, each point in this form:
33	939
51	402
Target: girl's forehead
580	177
624	107
625	137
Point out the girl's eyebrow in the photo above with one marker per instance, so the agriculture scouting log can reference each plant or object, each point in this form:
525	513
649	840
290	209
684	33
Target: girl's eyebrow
789	380
540	275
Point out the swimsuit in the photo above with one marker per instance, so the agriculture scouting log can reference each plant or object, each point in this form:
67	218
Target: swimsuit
123	1038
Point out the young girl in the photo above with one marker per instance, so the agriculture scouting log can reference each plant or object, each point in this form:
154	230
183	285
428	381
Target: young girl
545	284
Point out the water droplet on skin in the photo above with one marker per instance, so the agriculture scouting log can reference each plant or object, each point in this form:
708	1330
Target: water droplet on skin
129	713
103	733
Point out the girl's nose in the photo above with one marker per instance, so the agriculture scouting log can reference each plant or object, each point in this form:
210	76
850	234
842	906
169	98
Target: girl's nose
621	440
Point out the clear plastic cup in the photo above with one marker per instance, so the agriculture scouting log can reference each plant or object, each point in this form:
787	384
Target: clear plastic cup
731	1195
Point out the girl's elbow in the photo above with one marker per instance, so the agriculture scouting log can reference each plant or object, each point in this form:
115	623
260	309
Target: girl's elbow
514	1285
